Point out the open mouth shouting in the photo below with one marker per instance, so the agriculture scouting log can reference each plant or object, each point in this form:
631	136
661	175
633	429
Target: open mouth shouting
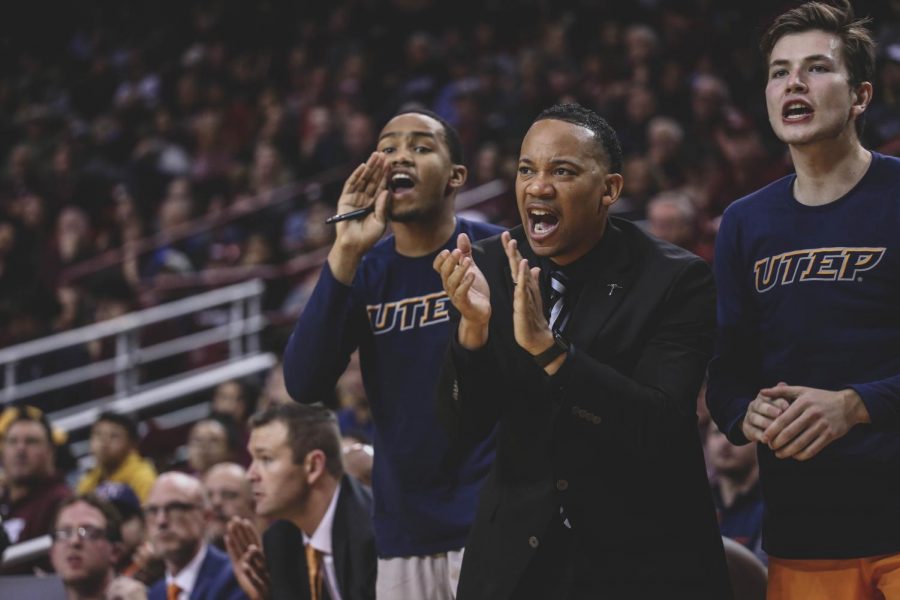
542	223
400	183
796	111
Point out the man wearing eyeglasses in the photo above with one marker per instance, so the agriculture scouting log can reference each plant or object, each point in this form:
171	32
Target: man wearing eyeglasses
86	544
177	513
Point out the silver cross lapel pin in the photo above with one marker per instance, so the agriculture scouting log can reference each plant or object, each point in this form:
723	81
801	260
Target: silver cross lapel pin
613	287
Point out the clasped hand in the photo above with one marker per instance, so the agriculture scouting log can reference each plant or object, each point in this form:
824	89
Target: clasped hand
798	422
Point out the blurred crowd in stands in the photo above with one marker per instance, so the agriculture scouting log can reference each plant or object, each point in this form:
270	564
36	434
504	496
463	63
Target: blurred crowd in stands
213	135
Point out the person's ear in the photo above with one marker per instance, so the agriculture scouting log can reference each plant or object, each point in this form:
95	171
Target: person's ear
613	183
862	96
458	176
315	465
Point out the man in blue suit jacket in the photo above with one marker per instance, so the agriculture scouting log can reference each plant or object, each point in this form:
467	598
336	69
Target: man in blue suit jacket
177	514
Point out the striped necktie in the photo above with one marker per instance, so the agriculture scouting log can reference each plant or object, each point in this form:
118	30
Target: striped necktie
316	572
559	316
558	313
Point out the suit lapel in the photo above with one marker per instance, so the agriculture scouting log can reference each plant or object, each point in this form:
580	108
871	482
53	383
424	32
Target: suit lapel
604	290
340	539
204	575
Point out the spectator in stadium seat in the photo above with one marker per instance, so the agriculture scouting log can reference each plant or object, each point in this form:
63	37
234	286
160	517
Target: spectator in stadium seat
425	486
229	496
133	527
86	545
736	490
114	441
211	441
672	217
177	513
236	398
324	537
33	489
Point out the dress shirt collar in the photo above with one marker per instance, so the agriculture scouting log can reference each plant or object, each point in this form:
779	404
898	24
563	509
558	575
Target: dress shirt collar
186	578
321	537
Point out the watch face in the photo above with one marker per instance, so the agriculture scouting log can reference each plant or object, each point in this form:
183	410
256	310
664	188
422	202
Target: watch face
561	341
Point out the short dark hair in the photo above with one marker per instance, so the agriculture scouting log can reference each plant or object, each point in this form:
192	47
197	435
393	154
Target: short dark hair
451	136
605	136
309	427
857	46
122	420
248	392
110	513
32	415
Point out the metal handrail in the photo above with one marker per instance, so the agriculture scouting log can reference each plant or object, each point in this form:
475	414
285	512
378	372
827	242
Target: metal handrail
185	384
242	328
140	356
135	320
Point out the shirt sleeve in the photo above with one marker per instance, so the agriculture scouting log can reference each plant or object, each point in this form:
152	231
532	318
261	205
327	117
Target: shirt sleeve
734	371
325	336
882	400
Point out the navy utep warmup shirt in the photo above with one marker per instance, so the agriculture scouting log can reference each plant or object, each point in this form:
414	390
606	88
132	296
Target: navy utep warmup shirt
396	312
810	295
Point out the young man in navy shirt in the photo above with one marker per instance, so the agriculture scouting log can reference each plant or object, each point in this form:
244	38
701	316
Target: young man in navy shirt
383	298
807	363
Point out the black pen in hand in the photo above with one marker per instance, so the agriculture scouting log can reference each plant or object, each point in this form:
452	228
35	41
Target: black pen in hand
359	213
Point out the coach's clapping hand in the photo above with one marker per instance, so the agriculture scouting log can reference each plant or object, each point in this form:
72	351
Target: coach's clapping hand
245	551
468	291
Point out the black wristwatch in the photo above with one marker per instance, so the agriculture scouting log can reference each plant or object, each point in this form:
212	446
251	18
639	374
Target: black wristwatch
560	346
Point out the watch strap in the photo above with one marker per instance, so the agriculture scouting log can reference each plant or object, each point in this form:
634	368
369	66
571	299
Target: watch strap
560	346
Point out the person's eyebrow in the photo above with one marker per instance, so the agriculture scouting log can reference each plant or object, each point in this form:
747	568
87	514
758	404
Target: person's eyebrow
561	160
427	134
812	58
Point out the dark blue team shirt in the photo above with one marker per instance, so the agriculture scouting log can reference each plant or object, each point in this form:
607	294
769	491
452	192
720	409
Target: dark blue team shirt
811	296
396	313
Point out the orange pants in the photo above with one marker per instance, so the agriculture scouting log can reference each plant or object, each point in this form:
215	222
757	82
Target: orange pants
873	578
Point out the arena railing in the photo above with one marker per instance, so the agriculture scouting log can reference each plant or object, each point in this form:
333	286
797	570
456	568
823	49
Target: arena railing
242	323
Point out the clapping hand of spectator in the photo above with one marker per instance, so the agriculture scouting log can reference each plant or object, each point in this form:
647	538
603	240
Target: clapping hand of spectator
245	551
126	588
146	565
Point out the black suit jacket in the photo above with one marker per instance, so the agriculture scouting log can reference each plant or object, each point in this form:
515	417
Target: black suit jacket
353	546
612	437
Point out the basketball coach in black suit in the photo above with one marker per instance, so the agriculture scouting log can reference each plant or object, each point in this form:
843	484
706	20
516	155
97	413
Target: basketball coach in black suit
587	341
